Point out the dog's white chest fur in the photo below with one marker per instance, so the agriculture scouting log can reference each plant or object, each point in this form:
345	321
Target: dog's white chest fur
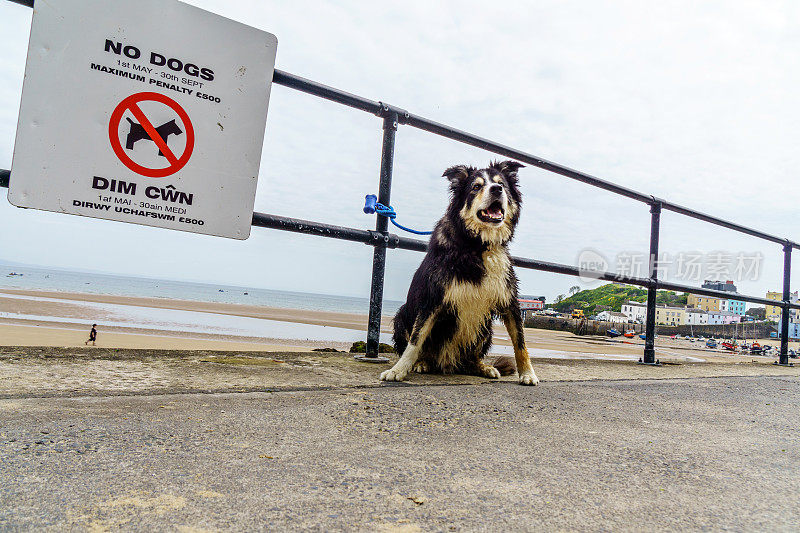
475	302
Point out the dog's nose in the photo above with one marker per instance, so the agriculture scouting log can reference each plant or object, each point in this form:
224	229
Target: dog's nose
496	190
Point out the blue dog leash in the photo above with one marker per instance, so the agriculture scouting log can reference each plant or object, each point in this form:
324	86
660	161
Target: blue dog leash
371	206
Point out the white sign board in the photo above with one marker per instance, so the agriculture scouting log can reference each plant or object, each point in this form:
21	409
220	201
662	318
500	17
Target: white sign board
143	111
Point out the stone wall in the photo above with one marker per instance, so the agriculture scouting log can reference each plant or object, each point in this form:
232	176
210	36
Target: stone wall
593	327
596	327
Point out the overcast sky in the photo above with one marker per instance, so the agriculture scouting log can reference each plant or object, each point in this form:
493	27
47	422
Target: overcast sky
695	102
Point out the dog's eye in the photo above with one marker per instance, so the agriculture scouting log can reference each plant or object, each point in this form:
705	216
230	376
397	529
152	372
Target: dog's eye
476	186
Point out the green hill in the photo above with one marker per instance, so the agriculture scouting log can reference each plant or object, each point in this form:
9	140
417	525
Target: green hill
610	297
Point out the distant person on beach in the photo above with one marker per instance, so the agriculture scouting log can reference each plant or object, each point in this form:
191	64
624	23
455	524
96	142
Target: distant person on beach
92	336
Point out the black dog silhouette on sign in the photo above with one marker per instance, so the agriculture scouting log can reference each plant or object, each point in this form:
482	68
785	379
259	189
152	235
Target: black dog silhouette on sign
137	133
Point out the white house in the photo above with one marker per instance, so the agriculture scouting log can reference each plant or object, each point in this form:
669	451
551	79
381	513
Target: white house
696	317
635	311
612	316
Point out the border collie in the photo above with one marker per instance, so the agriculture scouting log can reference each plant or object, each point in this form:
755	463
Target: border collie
465	280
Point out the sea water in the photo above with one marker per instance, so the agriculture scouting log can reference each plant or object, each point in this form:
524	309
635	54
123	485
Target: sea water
34	278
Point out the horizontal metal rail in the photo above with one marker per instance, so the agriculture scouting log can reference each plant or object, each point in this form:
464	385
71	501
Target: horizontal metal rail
379	108
328	93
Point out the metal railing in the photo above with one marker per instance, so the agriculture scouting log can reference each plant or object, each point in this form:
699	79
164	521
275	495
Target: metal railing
393	117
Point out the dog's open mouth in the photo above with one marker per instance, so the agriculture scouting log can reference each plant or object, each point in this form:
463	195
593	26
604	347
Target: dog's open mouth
493	214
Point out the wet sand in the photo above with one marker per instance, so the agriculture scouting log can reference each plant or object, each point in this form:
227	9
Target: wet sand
70	335
322	318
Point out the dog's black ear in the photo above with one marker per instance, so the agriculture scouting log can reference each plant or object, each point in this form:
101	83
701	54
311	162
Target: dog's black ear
507	168
457	173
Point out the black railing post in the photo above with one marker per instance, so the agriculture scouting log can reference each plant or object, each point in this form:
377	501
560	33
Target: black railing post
650	321
390	120
783	358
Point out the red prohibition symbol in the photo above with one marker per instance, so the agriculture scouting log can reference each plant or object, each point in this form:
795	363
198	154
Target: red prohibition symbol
131	104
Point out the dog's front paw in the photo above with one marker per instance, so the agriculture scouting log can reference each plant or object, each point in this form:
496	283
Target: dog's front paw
489	372
393	375
528	378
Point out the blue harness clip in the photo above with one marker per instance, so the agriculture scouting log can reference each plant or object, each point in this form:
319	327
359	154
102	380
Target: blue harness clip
369	204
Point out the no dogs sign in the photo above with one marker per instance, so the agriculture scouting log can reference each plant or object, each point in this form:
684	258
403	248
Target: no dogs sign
143	111
144	129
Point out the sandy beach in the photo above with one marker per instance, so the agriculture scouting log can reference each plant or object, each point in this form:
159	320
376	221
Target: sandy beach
62	319
48	318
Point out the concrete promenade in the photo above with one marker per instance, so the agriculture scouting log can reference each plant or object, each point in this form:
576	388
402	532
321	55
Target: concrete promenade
113	440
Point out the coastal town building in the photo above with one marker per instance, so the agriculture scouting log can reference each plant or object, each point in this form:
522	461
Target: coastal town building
635	311
670	316
696	317
726	286
705	303
723	317
773	312
794	329
530	305
736	306
612	316
527	297
534	305
708	303
678	316
731	318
